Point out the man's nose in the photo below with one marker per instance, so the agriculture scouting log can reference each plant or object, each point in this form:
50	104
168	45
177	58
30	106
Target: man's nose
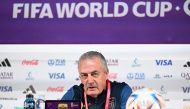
90	79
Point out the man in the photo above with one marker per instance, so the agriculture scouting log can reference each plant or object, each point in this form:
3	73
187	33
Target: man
96	91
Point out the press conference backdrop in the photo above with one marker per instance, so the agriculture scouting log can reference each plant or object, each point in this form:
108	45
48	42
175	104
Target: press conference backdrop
94	21
48	71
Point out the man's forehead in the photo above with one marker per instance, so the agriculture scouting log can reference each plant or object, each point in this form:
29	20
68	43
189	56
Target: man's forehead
89	72
90	58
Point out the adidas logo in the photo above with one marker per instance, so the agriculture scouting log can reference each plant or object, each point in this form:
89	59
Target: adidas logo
187	64
5	63
30	89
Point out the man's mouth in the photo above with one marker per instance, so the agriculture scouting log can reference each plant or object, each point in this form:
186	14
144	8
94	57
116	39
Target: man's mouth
91	88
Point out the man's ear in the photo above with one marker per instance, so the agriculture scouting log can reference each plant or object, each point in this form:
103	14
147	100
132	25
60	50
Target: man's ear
107	75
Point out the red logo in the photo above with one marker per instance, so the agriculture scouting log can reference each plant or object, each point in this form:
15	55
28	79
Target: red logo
112	75
55	89
30	62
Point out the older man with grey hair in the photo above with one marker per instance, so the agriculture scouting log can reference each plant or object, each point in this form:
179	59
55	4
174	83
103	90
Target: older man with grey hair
95	90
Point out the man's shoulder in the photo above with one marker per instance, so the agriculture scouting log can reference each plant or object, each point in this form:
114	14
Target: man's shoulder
78	87
121	92
119	84
74	93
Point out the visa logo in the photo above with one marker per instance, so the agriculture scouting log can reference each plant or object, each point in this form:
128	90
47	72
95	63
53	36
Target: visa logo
186	89
163	62
6	89
57	75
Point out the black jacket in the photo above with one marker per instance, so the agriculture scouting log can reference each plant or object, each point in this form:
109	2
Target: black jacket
120	93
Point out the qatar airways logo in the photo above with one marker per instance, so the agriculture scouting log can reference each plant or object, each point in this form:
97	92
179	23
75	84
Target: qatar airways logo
185	76
134	88
112	62
6	75
30	62
55	89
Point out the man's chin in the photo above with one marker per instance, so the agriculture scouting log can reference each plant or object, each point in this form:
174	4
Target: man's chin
92	94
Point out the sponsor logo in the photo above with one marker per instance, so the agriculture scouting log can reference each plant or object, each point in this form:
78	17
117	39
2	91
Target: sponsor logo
72	105
6	75
112	75
168	76
136	76
166	99
135	63
29	89
112	62
164	62
187	64
30	62
55	89
157	76
134	88
185	76
56	62
5	63
8	98
29	76
57	75
163	90
186	99
186	89
6	89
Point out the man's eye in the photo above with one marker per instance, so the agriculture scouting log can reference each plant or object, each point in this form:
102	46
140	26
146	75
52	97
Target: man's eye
95	74
83	76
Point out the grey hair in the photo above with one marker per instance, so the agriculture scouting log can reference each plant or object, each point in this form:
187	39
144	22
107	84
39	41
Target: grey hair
94	54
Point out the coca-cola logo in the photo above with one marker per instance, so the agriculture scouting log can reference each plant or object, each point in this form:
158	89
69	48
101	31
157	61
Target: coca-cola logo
30	62
55	89
112	75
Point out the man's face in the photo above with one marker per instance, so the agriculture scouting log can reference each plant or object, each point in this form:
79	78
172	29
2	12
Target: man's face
93	76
